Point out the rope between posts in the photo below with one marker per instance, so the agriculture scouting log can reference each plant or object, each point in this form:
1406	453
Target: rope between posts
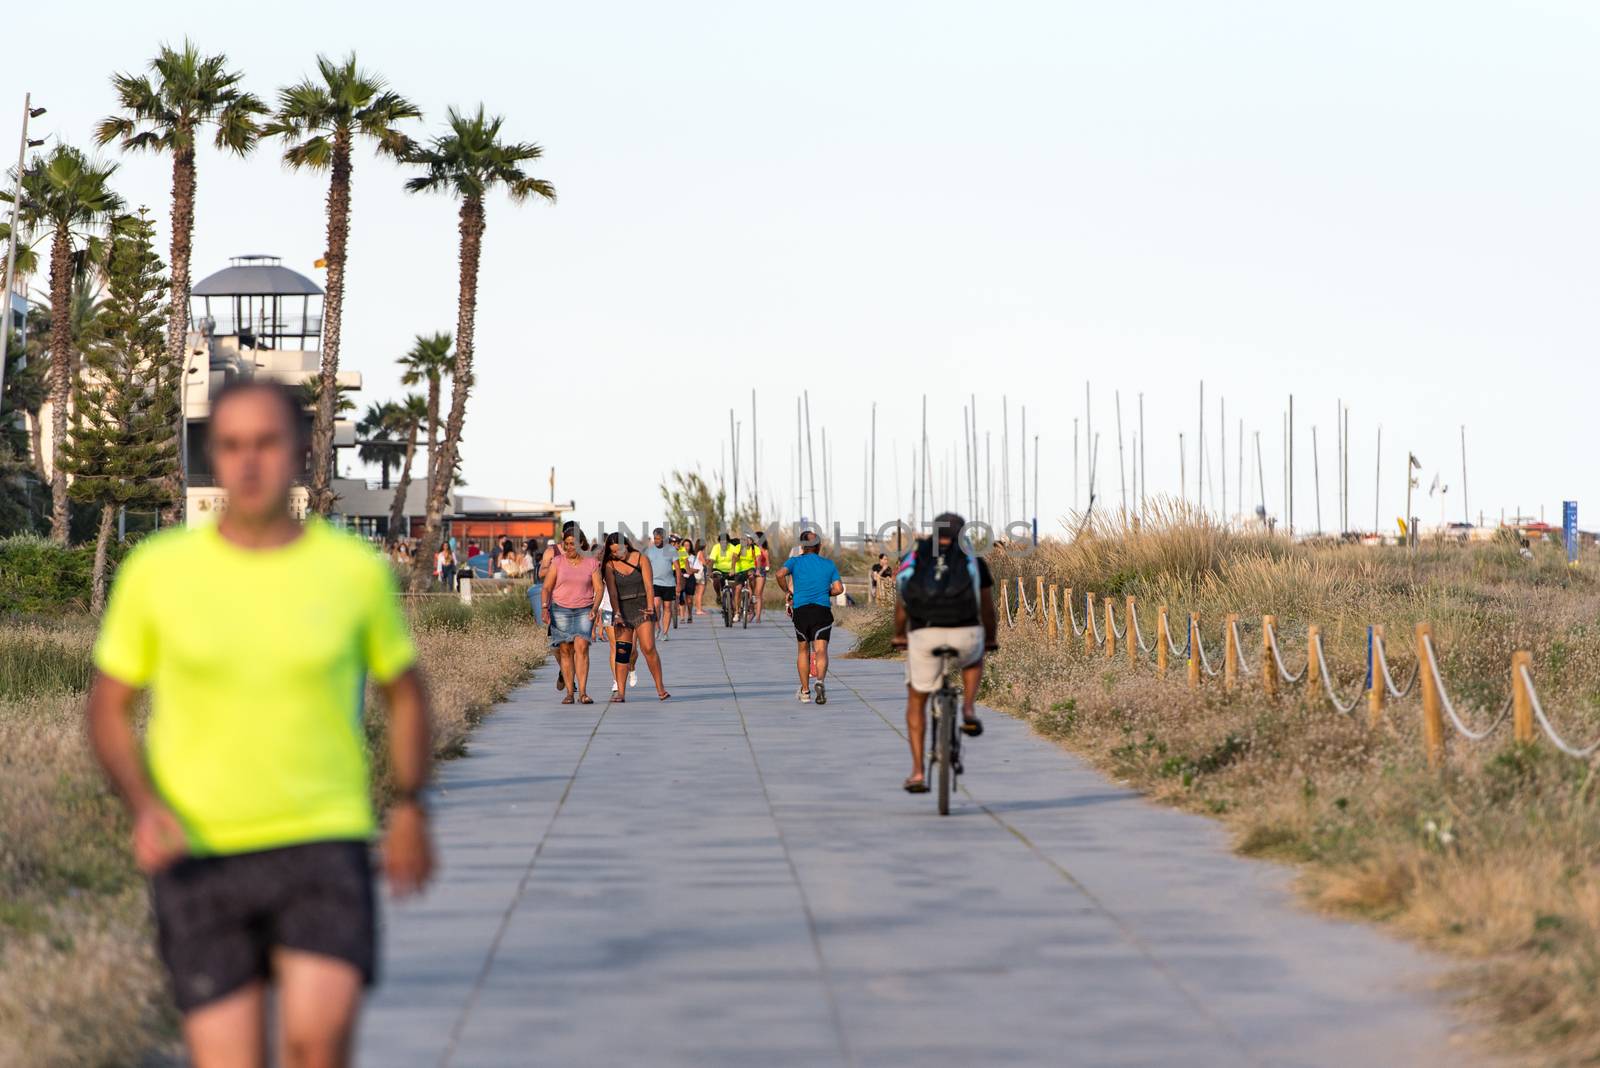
1072	617
1172	646
1094	626
1327	678
1388	680
1238	647
1138	636
1200	644
1444	698
1277	658
1549	730
1022	601
1114	629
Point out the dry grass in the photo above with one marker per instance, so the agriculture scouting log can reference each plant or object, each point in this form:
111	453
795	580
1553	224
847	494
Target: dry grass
1493	858
79	983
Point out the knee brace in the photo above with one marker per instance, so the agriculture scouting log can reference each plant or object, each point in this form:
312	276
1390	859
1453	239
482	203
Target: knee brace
623	651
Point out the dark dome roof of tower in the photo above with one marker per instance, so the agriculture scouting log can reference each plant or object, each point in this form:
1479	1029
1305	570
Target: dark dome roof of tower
255	276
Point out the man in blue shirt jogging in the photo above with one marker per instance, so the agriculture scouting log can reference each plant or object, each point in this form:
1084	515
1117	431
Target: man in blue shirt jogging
811	580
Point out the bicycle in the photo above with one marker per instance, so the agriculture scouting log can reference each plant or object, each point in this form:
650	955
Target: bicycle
726	599
747	602
944	726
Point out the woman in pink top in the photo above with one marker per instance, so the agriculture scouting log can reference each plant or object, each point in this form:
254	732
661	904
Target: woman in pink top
571	592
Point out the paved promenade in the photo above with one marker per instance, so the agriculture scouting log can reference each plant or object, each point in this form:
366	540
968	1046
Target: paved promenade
732	878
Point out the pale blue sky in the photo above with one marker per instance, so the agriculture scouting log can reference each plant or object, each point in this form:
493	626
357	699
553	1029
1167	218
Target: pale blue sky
1393	203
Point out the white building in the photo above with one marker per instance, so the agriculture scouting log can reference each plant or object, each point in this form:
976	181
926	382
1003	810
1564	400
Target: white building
258	318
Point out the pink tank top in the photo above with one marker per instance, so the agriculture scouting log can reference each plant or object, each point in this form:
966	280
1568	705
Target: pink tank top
572	581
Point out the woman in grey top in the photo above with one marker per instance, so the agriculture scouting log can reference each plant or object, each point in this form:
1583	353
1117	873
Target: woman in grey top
627	578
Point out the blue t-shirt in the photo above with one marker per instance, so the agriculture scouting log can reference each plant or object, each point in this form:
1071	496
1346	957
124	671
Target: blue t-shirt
661	559
812	575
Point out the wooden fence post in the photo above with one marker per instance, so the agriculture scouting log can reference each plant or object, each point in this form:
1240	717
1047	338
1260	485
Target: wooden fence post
1313	662
1161	639
1432	721
1269	666
1111	632
1230	654
1005	603
1194	650
1375	693
1038	589
1088	624
1521	699
1131	635
1053	631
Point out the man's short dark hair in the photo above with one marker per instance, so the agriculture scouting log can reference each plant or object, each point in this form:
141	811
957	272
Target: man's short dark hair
287	398
809	541
947	525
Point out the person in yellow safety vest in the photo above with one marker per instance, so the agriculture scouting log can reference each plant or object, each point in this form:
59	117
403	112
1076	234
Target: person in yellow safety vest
721	556
746	557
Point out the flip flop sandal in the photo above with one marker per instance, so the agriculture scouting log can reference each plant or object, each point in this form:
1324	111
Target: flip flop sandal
567	700
585	700
662	696
916	786
972	727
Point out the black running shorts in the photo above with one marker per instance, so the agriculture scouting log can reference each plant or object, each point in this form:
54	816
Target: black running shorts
666	593
813	622
219	918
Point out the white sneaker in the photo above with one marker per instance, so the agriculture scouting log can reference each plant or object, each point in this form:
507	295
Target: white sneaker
633	679
613	685
803	695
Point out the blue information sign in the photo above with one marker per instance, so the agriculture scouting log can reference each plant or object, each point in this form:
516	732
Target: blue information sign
1569	529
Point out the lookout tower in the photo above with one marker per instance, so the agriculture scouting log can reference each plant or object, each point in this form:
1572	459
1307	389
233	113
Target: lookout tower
262	303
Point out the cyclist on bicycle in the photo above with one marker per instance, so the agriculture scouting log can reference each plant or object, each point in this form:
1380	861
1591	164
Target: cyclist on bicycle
946	600
721	557
811	580
746	562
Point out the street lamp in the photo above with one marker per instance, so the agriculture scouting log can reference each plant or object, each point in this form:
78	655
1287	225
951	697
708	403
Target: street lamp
28	112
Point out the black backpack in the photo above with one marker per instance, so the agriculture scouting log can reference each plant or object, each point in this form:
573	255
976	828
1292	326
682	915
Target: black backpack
942	589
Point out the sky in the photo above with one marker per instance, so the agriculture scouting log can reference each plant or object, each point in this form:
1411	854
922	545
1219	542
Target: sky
1396	205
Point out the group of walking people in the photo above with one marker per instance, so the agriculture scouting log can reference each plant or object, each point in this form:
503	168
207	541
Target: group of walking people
618	594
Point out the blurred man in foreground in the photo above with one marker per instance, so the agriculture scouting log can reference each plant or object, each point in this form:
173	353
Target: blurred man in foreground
250	794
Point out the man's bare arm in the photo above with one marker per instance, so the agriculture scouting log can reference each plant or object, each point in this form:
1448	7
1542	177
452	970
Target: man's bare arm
407	851
158	837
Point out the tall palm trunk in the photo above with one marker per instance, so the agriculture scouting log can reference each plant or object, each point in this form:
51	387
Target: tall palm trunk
60	379
471	230
183	188
97	579
433	426
397	510
332	311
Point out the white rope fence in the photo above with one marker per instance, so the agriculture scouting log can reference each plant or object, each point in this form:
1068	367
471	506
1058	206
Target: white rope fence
1523	706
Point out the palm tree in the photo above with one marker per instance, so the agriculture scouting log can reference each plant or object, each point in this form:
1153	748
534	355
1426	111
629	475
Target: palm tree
405	420
321	120
378	444
68	198
429	361
163	114
467	162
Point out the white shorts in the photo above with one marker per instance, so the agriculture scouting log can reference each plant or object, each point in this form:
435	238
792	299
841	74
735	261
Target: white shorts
922	667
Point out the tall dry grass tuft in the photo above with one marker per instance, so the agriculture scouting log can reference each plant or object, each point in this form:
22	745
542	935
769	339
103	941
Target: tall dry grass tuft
1494	857
79	984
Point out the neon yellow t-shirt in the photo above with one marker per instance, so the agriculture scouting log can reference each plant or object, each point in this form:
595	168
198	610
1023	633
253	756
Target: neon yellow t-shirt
723	556
256	662
745	559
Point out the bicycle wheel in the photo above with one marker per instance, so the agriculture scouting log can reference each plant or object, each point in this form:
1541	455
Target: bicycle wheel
944	716
727	606
747	602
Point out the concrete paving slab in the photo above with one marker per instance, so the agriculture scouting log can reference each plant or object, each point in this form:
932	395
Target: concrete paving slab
734	878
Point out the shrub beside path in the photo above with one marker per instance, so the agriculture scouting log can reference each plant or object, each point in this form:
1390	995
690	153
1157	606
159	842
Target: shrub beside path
734	878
